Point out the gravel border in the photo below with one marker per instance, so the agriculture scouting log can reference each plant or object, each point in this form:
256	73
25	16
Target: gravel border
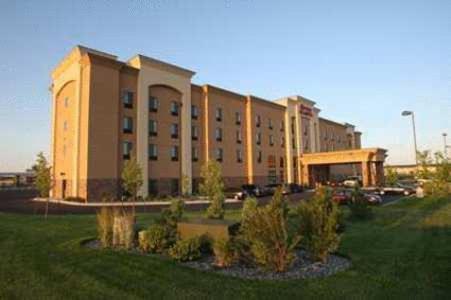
302	268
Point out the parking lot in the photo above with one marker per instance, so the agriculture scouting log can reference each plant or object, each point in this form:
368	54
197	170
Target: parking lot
21	202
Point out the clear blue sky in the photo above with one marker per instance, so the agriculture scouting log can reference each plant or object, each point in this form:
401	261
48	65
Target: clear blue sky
362	61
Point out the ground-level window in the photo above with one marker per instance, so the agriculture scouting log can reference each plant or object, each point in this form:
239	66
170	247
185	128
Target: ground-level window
195	154
127	150
153	152
272	177
174	186
219	154
153	187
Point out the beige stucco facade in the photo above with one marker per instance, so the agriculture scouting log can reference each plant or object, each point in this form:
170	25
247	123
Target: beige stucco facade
102	115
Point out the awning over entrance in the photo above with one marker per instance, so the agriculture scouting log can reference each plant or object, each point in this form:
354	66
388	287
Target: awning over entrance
371	160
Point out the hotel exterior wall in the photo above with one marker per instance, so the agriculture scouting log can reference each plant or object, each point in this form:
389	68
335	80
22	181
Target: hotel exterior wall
269	166
229	103
94	134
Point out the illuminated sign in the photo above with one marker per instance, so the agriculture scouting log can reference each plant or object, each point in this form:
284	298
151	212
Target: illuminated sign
306	111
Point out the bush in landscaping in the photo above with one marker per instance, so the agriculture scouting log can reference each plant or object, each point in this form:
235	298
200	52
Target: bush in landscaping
43	179
124	228
225	252
213	187
105	218
155	239
359	206
318	219
265	233
186	250
169	218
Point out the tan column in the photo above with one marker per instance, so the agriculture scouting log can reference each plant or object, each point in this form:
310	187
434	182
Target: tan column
380	177
305	175
366	179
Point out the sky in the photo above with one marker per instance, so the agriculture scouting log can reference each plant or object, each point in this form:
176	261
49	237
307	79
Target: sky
362	62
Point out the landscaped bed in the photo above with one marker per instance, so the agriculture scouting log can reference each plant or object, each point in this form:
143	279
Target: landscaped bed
403	252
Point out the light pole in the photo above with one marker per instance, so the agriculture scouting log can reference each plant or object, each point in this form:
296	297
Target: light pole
410	113
445	146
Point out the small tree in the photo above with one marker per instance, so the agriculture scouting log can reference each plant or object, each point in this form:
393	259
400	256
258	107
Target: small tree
43	180
440	185
391	178
265	231
318	225
424	161
185	185
213	187
132	179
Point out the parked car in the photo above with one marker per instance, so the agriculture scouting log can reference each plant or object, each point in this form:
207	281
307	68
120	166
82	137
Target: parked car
353	181
341	196
252	190
295	188
235	193
373	199
271	188
398	188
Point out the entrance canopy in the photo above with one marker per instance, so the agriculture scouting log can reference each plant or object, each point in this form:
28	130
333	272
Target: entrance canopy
371	159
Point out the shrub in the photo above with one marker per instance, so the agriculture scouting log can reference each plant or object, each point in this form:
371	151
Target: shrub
359	207
186	250
213	187
105	217
265	232
42	171
169	218
225	252
123	229
318	219
157	238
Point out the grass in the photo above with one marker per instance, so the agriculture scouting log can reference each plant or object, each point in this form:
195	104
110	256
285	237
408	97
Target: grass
403	252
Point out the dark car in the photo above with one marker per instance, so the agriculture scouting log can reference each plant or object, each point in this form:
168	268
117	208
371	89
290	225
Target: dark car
398	188
234	193
271	188
295	188
252	190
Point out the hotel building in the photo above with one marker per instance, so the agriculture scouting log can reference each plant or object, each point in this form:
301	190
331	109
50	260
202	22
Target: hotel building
106	111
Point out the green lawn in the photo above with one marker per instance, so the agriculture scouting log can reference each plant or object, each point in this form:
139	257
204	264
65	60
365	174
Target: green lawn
404	252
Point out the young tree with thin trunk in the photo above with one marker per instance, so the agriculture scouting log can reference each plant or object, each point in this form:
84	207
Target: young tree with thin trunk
213	187
43	179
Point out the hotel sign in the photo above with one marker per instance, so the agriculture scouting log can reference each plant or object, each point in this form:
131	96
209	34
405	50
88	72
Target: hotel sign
306	111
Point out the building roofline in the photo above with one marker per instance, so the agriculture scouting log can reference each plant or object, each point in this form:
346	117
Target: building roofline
333	122
160	63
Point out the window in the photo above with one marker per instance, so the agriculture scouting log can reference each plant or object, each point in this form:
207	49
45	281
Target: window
194	112
293	143
259	157
66	102
219	154
269	123
127	125
258	138
153	104
127	150
218	134
194	133
282	141
293	125
194	154
271	140
239	138
127	99
174	131
174	108
282	126
258	120
237	118
239	156
153	152
175	153
281	162
219	114
153	187
174	186
152	128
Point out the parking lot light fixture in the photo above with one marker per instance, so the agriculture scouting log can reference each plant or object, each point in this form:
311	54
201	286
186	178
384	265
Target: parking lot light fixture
410	113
